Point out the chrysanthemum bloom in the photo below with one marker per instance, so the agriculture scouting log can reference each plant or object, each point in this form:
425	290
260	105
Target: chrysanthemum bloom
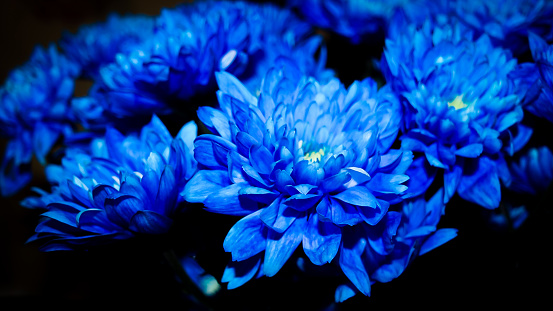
533	172
460	107
121	186
535	80
381	253
34	113
301	161
357	19
506	25
190	43
97	44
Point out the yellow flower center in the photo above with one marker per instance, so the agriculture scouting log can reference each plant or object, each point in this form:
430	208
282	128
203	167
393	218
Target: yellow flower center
315	156
312	156
457	103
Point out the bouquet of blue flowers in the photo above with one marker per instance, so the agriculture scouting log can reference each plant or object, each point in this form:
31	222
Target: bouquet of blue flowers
296	154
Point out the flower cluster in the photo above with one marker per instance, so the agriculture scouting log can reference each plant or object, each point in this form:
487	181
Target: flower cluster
358	175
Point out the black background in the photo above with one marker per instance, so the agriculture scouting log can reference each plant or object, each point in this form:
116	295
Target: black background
482	266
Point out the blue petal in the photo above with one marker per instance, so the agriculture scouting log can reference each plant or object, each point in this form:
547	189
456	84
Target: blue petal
481	185
440	237
150	222
302	202
95	220
261	159
373	215
237	273
228	201
352	265
121	207
305	173
451	181
388	183
470	151
229	84
204	183
280	246
279	216
259	194
335	182
188	134
344	292
166	197
359	195
44	138
339	213
246	238
321	240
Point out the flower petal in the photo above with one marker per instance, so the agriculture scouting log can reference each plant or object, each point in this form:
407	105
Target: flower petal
321	240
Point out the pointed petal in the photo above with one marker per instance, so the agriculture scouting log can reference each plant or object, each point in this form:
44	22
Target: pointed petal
321	240
280	246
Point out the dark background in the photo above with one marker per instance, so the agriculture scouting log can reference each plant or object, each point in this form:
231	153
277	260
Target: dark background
482	266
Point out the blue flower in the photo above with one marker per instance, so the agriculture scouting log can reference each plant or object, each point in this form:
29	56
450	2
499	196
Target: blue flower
190	43
95	45
299	162
533	172
357	19
120	187
535	79
34	113
507	25
381	253
461	109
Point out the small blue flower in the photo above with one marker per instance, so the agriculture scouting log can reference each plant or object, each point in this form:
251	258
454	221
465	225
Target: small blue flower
190	43
97	44
461	109
34	113
299	162
381	253
533	172
121	186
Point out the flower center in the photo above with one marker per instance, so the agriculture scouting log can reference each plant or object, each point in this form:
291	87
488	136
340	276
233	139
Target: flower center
313	152
457	103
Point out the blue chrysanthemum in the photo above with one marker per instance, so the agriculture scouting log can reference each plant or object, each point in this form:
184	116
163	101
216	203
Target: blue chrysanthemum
121	186
97	44
356	19
533	172
460	106
507	25
535	79
381	253
34	113
301	161
190	43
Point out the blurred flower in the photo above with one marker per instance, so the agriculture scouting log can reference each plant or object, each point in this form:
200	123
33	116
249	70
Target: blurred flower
301	161
356	19
507	25
189	44
535	81
121	186
97	44
461	109
381	253
510	217
34	113
534	171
